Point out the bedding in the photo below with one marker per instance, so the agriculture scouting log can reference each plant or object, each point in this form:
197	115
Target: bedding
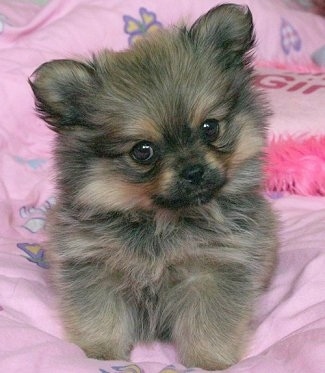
289	324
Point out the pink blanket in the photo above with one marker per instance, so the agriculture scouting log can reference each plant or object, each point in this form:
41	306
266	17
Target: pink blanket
290	318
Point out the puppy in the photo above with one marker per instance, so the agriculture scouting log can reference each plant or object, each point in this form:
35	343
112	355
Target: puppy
161	231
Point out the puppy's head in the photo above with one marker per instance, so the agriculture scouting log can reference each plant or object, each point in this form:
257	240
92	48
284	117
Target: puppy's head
168	124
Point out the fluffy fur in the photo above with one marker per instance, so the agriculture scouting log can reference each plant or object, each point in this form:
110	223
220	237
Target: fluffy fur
296	165
160	230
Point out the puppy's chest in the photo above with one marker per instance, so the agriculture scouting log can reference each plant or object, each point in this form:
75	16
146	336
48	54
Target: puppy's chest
148	260
145	242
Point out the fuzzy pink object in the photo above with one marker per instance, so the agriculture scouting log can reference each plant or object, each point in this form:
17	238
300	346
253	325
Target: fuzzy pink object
296	165
289	324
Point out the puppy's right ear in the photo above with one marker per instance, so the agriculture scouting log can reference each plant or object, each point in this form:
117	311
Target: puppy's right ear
64	90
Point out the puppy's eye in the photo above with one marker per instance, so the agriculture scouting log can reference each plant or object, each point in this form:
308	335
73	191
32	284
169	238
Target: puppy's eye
210	130
143	152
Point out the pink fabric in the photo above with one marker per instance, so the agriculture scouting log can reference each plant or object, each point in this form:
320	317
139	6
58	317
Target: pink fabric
73	27
296	100
289	322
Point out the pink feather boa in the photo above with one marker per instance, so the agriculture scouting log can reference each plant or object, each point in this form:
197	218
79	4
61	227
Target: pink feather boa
296	165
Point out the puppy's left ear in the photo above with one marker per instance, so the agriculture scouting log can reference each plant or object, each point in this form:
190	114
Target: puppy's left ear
226	31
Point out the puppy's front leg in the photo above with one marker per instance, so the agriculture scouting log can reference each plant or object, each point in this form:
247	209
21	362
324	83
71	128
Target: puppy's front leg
99	320
210	311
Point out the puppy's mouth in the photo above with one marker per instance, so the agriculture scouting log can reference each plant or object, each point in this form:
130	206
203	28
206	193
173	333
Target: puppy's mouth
184	200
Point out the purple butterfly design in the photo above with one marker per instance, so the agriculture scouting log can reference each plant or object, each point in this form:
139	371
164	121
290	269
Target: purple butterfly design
137	28
35	254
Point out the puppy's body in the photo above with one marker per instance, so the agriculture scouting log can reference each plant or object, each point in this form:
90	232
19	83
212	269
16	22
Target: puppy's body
160	230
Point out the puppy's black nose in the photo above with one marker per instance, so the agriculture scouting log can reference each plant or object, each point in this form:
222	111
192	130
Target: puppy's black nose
193	174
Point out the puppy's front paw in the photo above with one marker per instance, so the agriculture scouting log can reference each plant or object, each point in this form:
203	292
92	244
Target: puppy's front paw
106	351
210	357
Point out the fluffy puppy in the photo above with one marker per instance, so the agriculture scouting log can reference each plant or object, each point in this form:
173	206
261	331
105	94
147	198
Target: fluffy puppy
160	229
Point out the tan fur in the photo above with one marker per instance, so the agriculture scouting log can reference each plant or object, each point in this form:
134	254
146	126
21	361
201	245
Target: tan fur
249	142
145	127
101	190
166	178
